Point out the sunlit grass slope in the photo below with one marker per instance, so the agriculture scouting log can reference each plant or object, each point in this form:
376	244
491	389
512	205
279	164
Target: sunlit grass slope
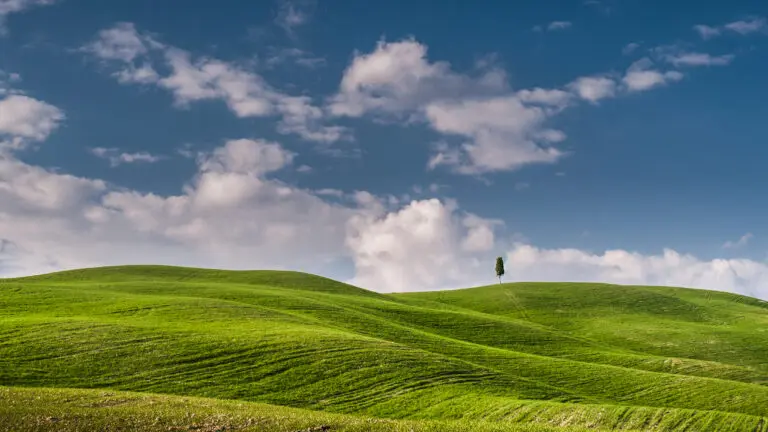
548	354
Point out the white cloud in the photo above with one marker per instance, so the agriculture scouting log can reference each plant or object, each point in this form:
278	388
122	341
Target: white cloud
706	32
25	118
503	133
743	276
426	244
594	88
499	129
742	27
502	128
8	7
190	80
742	241
553	97
121	42
630	48
559	25
294	55
397	77
430	245
293	14
699	59
115	157
640	76
232	216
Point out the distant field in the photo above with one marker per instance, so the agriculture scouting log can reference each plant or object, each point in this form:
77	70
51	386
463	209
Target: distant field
530	356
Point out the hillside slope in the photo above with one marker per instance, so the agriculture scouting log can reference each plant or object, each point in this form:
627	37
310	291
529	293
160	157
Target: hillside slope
585	355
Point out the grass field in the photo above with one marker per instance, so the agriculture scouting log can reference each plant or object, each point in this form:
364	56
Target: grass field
299	352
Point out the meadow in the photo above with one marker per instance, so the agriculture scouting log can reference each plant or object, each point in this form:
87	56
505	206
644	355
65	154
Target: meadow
169	348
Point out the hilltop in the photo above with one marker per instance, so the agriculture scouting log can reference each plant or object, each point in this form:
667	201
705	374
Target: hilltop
520	355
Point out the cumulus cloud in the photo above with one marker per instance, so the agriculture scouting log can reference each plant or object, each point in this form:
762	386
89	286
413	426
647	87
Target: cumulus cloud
191	80
594	88
233	215
116	158
500	128
26	119
426	243
743	276
230	215
486	125
640	76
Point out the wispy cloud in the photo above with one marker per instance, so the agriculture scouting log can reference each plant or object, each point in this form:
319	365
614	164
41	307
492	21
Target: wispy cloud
134	55
559	25
630	48
295	56
741	242
8	7
116	158
293	14
742	27
554	26
699	59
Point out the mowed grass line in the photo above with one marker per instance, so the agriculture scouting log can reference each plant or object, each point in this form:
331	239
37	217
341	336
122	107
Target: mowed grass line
584	355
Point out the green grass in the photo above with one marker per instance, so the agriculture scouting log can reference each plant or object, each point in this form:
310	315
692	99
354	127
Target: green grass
510	357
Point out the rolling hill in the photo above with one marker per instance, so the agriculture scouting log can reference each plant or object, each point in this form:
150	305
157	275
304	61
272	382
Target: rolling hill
283	345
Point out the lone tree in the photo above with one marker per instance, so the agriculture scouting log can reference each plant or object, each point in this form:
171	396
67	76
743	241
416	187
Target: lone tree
499	268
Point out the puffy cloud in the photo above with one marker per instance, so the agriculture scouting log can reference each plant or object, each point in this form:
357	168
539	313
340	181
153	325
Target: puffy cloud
230	215
743	276
502	132
594	88
115	157
190	80
121	42
25	118
641	77
426	244
498	129
397	77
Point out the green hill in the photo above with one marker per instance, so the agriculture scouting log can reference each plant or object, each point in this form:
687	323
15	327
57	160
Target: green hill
529	356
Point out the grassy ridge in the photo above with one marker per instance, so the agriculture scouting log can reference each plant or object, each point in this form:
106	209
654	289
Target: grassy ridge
580	355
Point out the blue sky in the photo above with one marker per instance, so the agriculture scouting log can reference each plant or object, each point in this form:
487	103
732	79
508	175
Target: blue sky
397	145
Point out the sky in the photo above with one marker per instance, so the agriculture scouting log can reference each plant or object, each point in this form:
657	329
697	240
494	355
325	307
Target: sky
398	146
